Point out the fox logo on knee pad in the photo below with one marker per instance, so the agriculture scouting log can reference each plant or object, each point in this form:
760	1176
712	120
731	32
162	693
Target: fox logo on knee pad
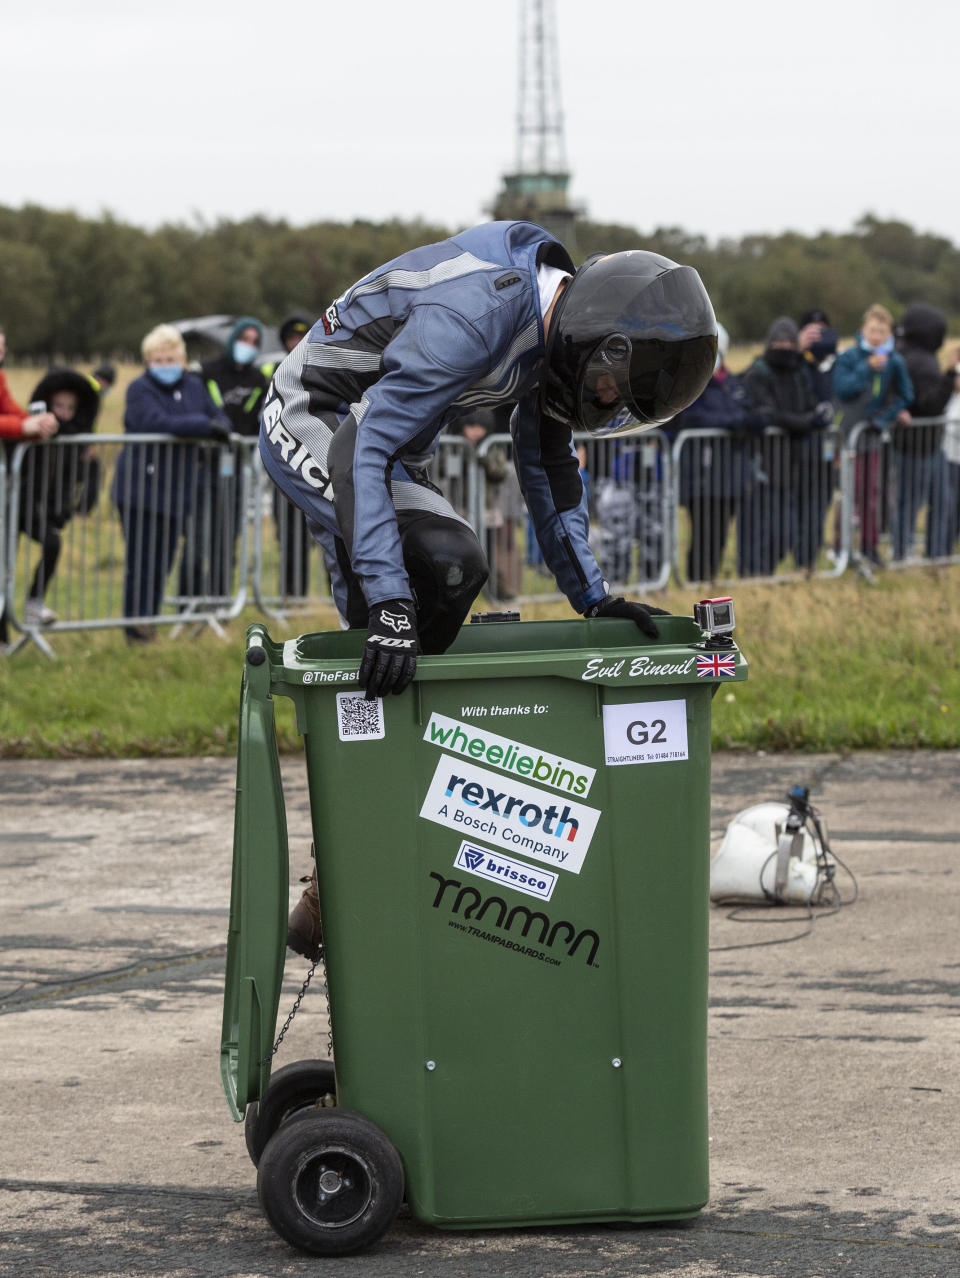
397	621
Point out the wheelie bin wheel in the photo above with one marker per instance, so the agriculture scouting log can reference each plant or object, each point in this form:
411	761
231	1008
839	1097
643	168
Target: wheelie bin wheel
330	1182
296	1089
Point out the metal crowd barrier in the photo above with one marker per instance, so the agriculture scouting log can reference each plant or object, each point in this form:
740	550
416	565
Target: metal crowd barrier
125	530
628	483
142	531
756	505
903	506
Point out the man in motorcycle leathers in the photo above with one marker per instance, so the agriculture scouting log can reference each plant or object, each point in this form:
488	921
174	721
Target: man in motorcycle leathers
496	315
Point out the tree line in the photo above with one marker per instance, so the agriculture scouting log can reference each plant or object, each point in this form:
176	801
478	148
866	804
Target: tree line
81	288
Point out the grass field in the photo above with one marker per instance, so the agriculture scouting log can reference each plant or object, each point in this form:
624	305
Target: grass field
834	665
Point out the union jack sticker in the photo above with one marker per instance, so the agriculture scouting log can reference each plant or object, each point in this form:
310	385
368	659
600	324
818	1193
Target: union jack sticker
716	664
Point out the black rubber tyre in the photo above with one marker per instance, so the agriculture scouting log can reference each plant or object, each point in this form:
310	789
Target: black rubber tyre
295	1089
330	1182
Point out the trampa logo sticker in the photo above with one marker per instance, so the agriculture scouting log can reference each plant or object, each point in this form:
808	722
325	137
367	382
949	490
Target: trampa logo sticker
514	816
518	928
511	756
503	869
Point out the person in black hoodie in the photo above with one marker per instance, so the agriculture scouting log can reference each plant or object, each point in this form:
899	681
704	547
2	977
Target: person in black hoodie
788	502
57	481
920	468
237	387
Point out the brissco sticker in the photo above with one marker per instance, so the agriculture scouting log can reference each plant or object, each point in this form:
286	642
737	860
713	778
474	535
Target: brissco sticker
501	810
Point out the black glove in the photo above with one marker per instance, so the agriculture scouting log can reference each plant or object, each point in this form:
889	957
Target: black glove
390	656
220	429
642	614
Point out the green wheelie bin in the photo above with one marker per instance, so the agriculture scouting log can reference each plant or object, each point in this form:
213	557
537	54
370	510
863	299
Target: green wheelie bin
512	861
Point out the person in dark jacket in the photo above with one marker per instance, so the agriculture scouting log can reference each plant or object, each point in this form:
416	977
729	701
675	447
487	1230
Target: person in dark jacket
715	471
293	535
920	468
236	386
56	480
817	341
788	502
154	484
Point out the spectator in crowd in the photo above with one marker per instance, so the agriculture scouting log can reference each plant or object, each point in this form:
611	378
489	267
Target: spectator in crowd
293	535
951	457
293	328
817	341
921	477
154	484
818	345
787	504
236	386
715	472
57	481
871	383
17	423
104	377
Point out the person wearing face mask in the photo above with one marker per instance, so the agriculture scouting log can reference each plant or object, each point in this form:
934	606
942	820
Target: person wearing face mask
236	385
872	384
788	502
154	485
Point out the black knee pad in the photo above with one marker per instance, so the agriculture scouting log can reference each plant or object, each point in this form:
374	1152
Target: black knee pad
447	570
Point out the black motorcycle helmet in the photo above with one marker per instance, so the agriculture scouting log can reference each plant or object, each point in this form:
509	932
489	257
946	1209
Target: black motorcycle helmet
632	342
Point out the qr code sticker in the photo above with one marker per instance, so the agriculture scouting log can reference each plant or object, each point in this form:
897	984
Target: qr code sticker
359	719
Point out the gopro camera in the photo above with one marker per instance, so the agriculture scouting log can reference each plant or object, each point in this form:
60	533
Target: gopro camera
714	616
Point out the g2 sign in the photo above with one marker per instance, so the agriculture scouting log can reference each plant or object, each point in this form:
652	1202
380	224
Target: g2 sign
645	732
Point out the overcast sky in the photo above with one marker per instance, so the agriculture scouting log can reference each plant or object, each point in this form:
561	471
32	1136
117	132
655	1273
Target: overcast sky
722	118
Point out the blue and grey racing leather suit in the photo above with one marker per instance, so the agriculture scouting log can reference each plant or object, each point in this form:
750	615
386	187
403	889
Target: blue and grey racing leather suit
353	413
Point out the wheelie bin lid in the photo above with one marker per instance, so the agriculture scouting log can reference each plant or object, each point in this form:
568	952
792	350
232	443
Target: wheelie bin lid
603	651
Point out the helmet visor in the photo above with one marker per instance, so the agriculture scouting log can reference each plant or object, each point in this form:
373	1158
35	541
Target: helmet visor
604	392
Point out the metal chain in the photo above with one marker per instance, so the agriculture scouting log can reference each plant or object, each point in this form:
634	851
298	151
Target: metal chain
296	1007
326	990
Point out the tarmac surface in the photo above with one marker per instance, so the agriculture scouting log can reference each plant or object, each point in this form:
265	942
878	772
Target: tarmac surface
834	1084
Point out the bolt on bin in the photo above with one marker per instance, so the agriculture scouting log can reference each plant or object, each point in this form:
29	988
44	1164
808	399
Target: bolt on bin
513	868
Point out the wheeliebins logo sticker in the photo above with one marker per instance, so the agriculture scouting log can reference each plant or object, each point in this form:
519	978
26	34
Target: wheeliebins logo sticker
505	812
503	869
511	756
